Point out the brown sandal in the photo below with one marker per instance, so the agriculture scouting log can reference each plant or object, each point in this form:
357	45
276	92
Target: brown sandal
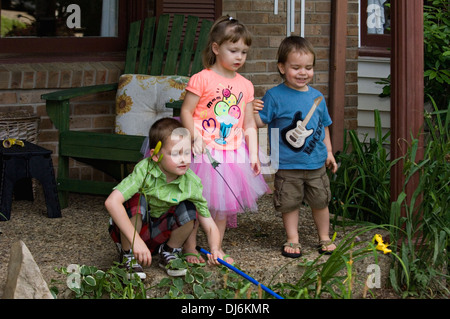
322	247
292	245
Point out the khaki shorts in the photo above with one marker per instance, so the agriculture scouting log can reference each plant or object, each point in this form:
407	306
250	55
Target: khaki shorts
293	186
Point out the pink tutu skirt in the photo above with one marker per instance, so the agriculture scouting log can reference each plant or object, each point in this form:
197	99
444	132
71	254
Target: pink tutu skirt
230	187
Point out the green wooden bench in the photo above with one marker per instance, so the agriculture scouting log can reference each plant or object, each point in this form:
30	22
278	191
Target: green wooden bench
159	53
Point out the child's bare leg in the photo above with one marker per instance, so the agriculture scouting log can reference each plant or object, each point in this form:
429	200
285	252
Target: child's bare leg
290	222
190	245
222	226
322	220
136	220
179	236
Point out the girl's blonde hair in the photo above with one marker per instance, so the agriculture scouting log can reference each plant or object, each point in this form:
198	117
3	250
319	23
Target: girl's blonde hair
224	29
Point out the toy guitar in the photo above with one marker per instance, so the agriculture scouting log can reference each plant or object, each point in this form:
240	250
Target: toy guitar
297	136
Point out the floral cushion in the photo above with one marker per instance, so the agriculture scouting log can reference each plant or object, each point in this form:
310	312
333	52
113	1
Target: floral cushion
141	99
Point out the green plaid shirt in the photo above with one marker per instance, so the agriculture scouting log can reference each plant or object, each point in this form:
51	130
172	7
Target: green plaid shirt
148	178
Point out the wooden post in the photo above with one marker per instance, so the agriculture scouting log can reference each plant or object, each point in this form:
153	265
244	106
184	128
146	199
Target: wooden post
407	97
337	72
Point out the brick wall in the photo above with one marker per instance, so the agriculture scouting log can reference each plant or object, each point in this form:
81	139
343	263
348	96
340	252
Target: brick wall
269	30
21	85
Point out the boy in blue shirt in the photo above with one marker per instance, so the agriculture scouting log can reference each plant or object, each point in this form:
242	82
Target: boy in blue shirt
300	114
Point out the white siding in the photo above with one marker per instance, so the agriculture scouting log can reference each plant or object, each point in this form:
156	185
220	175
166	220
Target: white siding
371	70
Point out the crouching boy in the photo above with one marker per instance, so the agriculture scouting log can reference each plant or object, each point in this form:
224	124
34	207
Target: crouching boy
165	185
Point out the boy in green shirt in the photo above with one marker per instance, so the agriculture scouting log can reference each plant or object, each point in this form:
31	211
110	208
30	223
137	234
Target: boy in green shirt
174	196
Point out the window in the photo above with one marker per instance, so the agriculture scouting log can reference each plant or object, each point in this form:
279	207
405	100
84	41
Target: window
206	9
65	26
60	18
45	29
375	27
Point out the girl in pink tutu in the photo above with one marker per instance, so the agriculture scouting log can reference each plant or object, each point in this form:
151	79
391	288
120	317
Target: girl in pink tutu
218	111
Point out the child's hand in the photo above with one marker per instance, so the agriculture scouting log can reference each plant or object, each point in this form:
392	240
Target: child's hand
199	146
141	252
258	105
331	163
213	256
256	167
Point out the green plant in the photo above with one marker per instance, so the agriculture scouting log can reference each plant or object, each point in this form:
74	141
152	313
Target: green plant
437	51
10	25
197	284
421	222
423	219
436	34
196	278
334	277
89	282
361	185
386	86
236	287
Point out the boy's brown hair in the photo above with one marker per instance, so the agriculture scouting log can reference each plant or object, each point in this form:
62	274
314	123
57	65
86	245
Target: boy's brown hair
163	129
294	43
224	29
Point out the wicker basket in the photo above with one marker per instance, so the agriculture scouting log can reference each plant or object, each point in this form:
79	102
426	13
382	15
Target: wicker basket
21	125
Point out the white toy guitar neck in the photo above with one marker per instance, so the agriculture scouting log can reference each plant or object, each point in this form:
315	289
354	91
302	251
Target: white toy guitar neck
297	136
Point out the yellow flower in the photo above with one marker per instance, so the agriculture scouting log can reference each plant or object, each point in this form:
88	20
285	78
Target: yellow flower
141	77
123	104
380	244
177	84
124	80
145	81
182	95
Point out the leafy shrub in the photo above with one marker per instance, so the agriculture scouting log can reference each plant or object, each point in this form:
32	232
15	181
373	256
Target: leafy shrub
361	185
437	52
436	34
89	282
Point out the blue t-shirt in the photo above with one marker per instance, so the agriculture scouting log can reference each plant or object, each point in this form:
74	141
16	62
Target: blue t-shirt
299	146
